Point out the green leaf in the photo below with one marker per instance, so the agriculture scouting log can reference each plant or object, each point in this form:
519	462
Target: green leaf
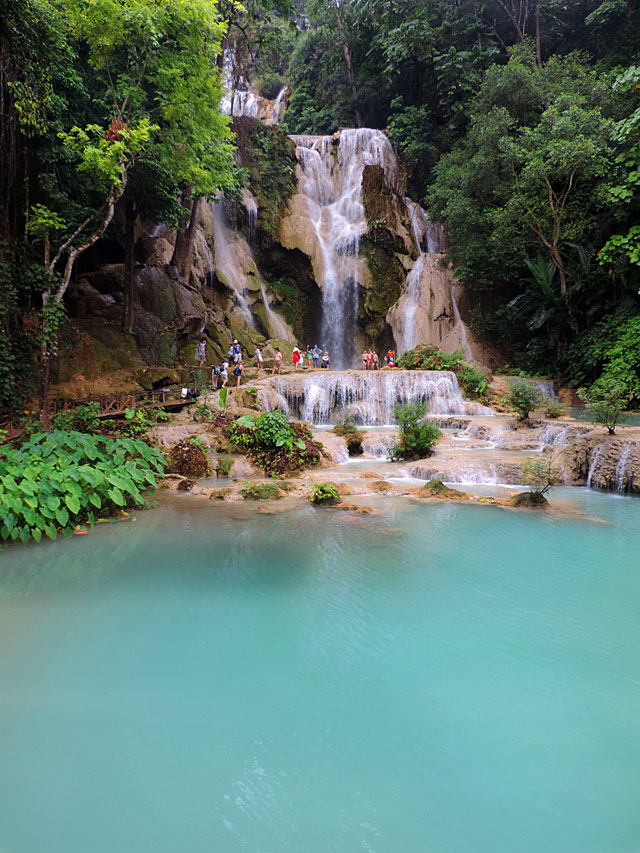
36	533
116	496
94	497
53	503
25	534
51	532
62	516
73	503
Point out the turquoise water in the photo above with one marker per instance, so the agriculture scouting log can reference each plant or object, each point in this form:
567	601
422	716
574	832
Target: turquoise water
432	678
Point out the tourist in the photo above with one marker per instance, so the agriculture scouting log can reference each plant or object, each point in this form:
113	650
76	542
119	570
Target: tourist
259	359
215	372
238	372
369	360
375	363
326	361
237	352
365	361
317	353
309	356
224	372
390	358
201	352
296	358
277	361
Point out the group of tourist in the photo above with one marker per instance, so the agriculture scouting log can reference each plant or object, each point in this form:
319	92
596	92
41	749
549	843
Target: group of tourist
370	360
311	358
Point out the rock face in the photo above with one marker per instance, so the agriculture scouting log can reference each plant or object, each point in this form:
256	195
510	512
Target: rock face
323	248
610	462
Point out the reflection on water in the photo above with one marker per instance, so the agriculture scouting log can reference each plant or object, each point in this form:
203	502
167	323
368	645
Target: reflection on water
432	677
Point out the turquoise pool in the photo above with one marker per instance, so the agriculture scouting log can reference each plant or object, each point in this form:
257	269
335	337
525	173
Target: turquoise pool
432	678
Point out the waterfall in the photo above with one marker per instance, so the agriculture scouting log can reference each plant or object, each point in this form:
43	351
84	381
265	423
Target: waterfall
367	398
227	267
621	467
546	389
466	349
279	105
594	464
332	185
554	435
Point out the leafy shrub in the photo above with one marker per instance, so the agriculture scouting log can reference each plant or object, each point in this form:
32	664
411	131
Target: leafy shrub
269	85
607	399
260	492
474	382
418	436
324	494
81	419
541	473
224	466
553	409
523	397
189	459
275	444
59	479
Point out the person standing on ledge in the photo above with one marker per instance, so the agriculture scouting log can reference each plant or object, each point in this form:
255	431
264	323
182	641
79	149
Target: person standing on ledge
296	357
201	352
309	355
238	371
365	361
259	360
375	363
277	361
317	352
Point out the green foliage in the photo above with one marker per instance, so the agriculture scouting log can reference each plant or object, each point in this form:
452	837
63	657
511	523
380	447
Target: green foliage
607	398
271	166
59	479
324	494
270	85
260	491
541	473
274	443
223	398
81	419
553	410
472	380
418	436
523	397
224	466
188	458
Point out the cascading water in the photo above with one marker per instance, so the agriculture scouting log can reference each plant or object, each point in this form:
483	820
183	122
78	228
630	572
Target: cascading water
332	185
366	397
621	467
227	266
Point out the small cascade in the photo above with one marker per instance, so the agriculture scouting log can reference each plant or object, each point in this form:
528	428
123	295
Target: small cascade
368	398
378	446
546	389
622	466
595	463
332	185
554	436
239	100
466	349
228	267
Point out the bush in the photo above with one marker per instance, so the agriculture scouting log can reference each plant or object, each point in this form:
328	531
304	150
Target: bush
59	479
418	436
224	466
270	85
188	459
523	396
260	492
541	473
474	382
324	494
353	438
607	399
553	409
81	419
275	444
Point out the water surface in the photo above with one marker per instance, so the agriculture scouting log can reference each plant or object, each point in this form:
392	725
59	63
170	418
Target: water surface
432	678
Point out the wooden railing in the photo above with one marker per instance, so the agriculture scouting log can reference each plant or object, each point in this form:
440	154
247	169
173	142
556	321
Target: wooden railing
112	405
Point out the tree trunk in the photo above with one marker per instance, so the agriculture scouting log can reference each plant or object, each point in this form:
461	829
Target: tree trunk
129	267
538	46
185	240
347	58
43	382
